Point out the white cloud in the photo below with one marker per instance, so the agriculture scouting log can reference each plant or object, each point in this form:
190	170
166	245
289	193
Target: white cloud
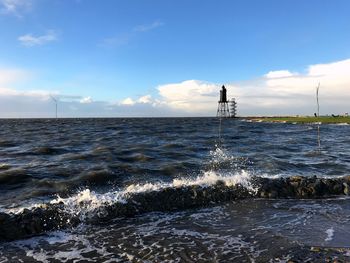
145	99
190	96
277	92
279	74
128	102
38	94
38	103
148	27
86	100
15	7
339	68
29	40
273	95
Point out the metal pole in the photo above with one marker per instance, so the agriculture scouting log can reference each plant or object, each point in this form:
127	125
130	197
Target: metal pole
318	115
318	105
219	144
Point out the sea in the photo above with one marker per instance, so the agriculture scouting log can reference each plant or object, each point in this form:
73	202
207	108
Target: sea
88	163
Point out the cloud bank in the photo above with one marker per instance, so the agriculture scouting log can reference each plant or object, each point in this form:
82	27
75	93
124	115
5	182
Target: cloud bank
281	92
276	93
16	103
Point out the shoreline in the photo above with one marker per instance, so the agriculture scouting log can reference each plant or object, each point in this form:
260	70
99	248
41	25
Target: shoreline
301	119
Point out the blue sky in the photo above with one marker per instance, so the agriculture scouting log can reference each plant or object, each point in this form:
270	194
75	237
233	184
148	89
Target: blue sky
113	53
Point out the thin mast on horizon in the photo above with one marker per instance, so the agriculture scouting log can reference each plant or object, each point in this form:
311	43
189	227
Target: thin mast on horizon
318	105
318	115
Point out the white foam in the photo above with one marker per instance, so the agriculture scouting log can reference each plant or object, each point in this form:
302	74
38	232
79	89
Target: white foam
156	237
211	178
3	259
80	245
18	210
207	179
86	201
330	234
341	124
271	176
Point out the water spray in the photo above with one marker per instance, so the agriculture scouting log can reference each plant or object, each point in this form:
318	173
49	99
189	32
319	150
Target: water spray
220	124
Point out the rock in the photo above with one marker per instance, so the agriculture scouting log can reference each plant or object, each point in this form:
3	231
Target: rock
296	178
347	179
338	188
273	194
3	217
264	194
295	184
50	217
319	187
346	189
303	192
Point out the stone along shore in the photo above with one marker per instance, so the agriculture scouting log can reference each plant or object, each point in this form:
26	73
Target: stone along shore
50	217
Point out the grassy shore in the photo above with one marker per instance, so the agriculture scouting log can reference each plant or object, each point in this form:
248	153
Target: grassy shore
304	119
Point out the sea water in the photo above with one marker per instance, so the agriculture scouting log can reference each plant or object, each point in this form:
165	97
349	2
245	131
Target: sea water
86	164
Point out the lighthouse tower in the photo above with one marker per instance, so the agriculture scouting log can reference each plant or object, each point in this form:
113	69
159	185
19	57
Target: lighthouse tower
223	108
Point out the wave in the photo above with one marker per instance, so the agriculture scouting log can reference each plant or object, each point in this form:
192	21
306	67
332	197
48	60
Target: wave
46	150
7	143
4	166
211	188
12	176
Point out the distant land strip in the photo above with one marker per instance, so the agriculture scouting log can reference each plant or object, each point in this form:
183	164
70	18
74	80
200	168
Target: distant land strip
302	119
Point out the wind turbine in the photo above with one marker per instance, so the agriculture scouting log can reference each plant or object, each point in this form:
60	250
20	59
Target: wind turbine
56	101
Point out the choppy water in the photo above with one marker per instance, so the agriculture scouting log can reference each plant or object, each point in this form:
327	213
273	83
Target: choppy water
94	161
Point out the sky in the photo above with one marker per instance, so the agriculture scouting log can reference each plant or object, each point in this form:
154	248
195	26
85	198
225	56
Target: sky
164	58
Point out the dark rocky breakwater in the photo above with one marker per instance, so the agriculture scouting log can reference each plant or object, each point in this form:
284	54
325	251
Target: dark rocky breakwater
48	217
303	187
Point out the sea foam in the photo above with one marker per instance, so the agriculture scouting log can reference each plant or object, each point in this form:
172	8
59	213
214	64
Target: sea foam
87	201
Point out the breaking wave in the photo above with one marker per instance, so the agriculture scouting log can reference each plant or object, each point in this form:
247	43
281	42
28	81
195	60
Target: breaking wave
211	188
87	201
